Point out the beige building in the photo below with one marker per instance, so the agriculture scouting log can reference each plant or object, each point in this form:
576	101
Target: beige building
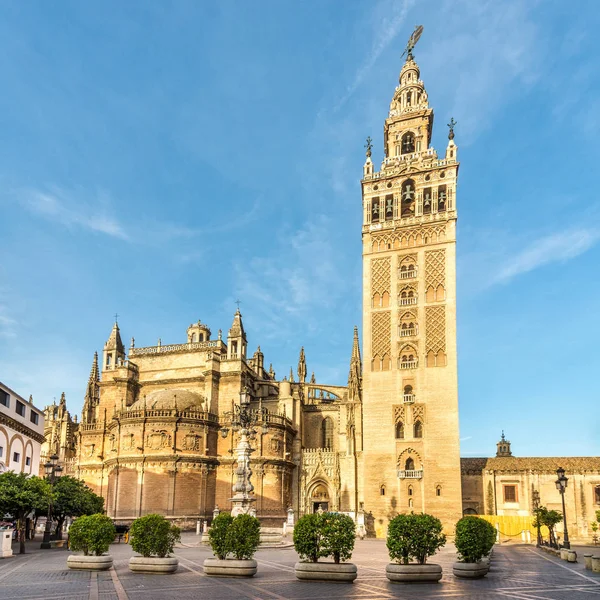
21	433
505	484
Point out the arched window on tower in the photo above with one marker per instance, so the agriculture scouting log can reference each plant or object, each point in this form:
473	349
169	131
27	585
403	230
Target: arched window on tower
597	495
442	198
327	433
408	198
408	142
193	338
409	465
427	201
418	429
408	98
399	430
408	394
375	210
389	208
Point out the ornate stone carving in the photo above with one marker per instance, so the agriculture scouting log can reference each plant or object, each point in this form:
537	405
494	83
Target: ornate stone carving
435	329
192	441
88	450
435	268
399	414
381	331
158	439
380	275
128	442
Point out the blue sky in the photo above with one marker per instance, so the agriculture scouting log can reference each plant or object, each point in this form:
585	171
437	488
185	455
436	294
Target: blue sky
161	160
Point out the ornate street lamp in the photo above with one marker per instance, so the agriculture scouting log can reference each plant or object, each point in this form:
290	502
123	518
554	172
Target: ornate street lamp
243	419
53	471
535	496
561	486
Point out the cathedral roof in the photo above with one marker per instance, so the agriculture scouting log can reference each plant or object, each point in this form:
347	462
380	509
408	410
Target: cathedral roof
167	399
531	463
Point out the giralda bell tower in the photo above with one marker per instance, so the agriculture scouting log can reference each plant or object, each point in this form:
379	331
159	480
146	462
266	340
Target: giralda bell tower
410	389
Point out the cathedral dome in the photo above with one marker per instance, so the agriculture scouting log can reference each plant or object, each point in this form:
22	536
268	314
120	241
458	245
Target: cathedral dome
167	398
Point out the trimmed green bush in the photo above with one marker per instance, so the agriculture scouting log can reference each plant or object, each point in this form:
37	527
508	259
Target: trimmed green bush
217	535
92	534
307	537
338	534
153	535
474	539
243	536
414	536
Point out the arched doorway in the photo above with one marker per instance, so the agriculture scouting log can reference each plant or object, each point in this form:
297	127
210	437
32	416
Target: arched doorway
319	497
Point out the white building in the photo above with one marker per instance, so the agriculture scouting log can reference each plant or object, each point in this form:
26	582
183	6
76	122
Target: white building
21	433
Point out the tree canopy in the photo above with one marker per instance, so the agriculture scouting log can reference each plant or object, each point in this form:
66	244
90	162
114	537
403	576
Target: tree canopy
20	494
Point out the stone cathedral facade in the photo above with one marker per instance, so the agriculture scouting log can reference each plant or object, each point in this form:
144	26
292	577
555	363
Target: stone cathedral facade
149	438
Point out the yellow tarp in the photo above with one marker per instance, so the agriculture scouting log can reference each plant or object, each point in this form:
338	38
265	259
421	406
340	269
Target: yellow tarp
512	526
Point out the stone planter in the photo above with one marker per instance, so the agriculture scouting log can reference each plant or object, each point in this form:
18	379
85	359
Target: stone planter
572	556
325	571
153	564
564	553
464	570
596	564
90	563
413	573
230	567
587	559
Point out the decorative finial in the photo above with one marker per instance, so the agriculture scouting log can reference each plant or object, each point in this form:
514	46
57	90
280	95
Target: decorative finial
116	318
369	146
132	345
220	335
238	302
451	126
503	438
412	42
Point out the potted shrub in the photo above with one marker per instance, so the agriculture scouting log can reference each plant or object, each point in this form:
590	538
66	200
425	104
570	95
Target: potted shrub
93	536
414	537
238	537
325	535
153	537
474	540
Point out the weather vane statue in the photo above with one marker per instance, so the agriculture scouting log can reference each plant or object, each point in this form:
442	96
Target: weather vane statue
369	146
412	42
451	126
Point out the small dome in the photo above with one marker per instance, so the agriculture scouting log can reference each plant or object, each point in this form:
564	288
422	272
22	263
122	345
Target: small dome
166	399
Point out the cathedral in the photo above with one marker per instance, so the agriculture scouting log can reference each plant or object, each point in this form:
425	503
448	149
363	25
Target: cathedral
156	434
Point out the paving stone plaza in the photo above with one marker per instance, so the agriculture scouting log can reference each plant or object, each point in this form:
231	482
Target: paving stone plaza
518	571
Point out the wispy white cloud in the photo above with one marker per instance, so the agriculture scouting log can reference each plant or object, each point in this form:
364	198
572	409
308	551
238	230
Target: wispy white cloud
72	211
286	287
389	17
558	247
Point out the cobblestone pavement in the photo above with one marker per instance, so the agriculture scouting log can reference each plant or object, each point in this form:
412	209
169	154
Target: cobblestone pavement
518	571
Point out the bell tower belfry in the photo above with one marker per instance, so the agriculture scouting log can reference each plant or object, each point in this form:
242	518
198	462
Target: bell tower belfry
410	389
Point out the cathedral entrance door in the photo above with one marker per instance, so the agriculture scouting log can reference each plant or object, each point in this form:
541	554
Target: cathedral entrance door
320	497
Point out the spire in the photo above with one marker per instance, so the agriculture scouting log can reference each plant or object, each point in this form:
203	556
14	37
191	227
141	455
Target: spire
114	340
236	339
302	366
312	378
291	375
503	447
63	400
92	393
355	374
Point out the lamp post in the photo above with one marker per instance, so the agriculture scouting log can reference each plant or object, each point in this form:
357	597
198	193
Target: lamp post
535	496
243	419
53	470
561	486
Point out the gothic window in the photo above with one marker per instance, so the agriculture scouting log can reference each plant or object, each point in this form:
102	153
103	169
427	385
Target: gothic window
407	297
442	198
108	359
382	490
193	338
399	430
327	433
200	337
597	494
409	465
410	490
418	429
438	490
408	99
408	198
389	208
375	210
410	503
408	142
427	201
